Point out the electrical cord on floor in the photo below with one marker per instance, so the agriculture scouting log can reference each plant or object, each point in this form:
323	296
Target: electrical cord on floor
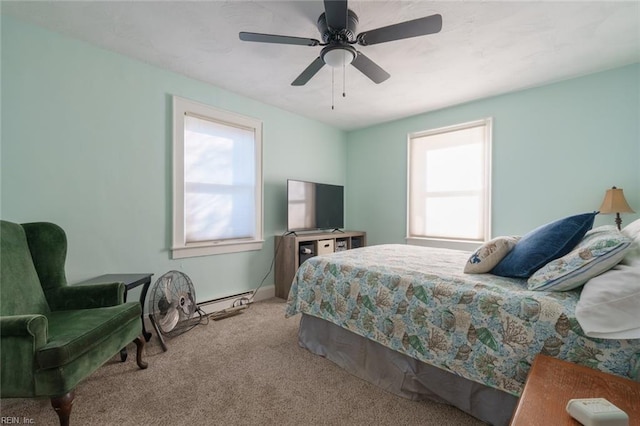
241	301
192	322
202	315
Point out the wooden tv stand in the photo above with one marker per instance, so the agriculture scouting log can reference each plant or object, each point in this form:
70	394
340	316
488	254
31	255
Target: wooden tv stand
289	254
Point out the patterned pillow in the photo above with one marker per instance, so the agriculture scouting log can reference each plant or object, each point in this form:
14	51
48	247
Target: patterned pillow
600	250
489	254
544	244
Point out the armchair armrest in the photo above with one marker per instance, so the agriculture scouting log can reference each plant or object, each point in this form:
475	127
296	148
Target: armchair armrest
22	337
34	327
85	296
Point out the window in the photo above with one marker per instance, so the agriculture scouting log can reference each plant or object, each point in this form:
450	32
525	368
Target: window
217	181
449	177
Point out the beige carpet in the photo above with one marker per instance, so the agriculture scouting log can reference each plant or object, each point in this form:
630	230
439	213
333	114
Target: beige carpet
242	370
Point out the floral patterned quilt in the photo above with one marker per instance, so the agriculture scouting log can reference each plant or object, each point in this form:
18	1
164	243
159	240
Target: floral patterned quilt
417	301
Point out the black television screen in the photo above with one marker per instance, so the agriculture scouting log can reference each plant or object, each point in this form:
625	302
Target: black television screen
312	205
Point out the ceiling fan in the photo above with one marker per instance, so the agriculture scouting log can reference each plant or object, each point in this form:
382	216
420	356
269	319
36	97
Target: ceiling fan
337	25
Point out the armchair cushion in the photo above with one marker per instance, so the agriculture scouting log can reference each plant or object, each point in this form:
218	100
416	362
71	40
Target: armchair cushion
73	333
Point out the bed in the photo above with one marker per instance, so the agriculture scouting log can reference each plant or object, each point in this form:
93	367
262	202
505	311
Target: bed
409	320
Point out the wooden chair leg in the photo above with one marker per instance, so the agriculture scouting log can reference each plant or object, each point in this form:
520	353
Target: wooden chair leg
62	405
139	341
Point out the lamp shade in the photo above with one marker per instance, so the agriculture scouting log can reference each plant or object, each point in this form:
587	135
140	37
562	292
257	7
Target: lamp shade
614	202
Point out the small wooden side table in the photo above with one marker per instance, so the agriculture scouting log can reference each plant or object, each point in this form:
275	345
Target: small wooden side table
552	383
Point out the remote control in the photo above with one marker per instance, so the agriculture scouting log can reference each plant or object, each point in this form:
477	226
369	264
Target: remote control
597	412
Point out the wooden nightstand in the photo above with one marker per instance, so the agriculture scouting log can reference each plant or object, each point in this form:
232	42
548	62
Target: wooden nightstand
552	383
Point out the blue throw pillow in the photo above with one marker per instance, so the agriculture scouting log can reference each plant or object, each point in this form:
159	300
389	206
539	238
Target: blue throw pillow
544	244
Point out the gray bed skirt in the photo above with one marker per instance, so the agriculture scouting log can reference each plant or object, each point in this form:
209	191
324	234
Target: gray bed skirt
402	375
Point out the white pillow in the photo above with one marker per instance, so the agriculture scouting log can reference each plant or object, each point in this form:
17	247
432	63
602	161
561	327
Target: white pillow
489	254
632	231
601	249
609	306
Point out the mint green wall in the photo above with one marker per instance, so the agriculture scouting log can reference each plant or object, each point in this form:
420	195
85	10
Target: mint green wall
556	149
86	143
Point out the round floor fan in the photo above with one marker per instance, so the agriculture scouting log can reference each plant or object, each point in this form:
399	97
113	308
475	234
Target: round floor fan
172	306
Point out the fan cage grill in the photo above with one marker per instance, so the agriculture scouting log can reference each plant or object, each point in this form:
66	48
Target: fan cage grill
172	305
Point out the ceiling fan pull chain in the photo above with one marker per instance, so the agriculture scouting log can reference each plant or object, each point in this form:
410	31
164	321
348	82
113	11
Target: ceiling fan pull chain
344	80
332	86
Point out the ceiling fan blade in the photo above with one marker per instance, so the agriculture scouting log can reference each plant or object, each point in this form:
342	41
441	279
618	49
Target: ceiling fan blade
336	13
309	72
414	28
280	39
369	68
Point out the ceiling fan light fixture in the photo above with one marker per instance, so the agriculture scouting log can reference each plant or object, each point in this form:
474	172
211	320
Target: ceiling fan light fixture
337	26
338	56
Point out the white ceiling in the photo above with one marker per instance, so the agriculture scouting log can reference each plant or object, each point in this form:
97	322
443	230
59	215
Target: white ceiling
485	48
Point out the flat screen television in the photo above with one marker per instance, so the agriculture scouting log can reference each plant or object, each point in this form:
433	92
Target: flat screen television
312	206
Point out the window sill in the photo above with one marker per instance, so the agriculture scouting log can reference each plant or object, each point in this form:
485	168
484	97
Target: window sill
215	248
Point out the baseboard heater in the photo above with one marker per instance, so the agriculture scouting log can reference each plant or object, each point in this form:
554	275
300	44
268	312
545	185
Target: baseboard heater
212	307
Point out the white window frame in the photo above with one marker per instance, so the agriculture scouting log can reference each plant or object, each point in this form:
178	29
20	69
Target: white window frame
458	243
180	247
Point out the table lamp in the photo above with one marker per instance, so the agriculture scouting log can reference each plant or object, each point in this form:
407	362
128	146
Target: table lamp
614	202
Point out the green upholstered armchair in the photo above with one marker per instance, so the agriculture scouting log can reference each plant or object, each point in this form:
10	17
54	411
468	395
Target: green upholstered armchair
53	335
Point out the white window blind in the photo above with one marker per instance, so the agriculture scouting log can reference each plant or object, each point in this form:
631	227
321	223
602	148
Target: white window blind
217	181
449	183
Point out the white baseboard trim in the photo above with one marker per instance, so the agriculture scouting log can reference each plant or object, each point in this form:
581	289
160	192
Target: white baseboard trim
263	293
